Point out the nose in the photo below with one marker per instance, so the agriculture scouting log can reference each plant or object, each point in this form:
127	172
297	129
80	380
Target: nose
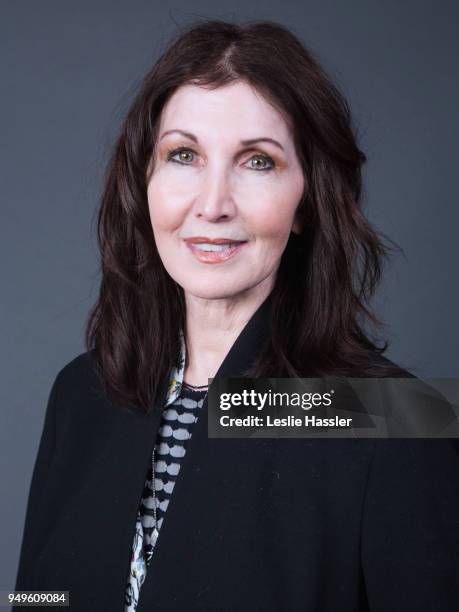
214	201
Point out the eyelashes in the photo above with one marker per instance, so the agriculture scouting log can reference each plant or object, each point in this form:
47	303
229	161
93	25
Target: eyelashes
260	156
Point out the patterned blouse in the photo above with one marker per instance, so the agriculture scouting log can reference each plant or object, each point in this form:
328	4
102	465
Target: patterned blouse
178	417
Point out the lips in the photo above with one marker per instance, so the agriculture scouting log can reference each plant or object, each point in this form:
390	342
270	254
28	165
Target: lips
213	250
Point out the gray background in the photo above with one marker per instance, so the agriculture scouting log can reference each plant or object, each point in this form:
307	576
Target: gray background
69	71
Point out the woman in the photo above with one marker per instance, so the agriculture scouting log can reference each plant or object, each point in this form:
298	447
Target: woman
233	244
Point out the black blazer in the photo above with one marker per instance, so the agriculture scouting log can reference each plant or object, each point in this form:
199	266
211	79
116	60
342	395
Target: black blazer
314	525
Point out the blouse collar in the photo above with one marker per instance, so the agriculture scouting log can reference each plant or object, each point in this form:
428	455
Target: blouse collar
176	376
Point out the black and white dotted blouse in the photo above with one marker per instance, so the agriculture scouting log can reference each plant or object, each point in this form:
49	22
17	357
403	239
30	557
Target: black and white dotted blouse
177	420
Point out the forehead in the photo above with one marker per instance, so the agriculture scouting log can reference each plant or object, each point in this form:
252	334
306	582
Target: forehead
237	110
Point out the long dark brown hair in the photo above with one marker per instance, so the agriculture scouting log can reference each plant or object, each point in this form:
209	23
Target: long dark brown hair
327	275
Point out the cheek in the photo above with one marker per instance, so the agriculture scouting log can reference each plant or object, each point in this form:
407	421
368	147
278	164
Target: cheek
272	209
272	217
163	207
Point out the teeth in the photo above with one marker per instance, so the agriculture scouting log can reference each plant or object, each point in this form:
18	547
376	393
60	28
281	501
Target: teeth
212	247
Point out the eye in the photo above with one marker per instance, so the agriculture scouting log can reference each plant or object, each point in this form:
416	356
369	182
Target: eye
182	152
264	159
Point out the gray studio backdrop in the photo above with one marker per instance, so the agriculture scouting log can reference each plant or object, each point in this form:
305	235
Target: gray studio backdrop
69	71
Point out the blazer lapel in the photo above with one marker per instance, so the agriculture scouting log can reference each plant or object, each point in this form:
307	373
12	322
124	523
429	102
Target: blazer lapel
203	453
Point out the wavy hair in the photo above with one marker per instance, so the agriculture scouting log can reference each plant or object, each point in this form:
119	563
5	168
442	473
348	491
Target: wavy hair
327	275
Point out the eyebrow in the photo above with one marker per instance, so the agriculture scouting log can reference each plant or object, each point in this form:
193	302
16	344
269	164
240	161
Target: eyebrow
251	141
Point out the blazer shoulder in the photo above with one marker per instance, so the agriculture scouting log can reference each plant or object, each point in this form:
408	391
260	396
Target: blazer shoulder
79	388
79	370
397	370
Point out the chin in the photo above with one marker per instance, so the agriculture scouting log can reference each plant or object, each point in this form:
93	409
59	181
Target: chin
214	291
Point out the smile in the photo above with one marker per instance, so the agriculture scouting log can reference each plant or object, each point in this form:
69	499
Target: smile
214	253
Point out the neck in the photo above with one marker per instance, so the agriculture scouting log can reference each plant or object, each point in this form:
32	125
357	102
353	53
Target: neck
212	326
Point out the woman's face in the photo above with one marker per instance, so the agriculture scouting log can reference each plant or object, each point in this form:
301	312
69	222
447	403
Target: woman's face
211	188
